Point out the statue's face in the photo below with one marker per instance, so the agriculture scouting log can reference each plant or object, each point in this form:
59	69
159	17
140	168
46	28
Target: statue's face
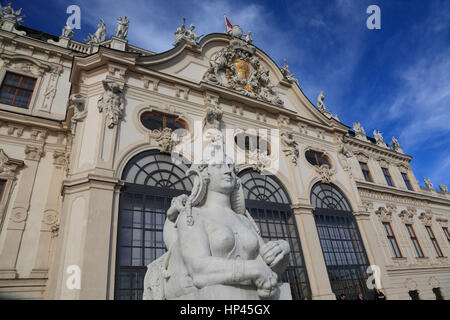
222	178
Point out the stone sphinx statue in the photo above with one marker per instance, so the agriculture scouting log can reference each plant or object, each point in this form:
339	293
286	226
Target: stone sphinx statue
215	250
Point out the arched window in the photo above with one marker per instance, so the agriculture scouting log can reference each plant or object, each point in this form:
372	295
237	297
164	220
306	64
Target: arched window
269	204
248	142
154	120
151	181
342	247
316	158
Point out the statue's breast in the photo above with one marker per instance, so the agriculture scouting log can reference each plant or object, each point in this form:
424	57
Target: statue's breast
232	238
221	239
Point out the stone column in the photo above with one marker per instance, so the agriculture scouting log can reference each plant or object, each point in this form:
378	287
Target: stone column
313	256
49	224
19	214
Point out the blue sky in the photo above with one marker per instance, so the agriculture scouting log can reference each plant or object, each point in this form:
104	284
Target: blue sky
395	80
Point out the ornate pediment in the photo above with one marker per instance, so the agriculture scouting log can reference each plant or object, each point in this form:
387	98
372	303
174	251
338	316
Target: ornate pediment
426	217
384	214
407	216
237	67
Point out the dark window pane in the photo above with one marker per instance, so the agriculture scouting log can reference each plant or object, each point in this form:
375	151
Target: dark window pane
16	90
340	240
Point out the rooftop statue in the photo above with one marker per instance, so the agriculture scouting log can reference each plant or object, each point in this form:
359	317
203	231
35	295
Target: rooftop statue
443	188
236	31
122	27
379	138
67	32
181	34
99	35
320	104
289	76
248	37
9	13
360	133
396	146
428	183
215	248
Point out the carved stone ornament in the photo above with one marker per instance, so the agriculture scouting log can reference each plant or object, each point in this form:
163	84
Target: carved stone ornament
442	222
407	216
213	116
50	217
165	139
187	35
111	102
259	160
344	149
19	214
77	102
426	217
433	282
360	133
367	206
237	67
410	284
25	65
384	215
8	166
443	188
325	172
50	91
33	153
291	149
60	158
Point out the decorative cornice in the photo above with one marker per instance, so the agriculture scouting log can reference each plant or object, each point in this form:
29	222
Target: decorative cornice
379	192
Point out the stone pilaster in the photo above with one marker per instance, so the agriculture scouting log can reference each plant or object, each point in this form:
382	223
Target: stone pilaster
374	252
19	213
50	219
312	251
84	243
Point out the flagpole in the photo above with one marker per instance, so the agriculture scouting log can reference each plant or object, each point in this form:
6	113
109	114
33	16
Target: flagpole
225	19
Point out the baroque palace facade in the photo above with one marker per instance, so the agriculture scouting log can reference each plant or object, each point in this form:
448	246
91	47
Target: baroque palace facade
86	173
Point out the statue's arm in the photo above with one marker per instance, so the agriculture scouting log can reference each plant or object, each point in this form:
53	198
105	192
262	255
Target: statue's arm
208	270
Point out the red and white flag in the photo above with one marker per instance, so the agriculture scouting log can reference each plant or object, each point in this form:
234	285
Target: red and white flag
228	24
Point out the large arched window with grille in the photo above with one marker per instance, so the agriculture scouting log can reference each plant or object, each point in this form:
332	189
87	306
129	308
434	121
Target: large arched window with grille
342	247
269	204
151	181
